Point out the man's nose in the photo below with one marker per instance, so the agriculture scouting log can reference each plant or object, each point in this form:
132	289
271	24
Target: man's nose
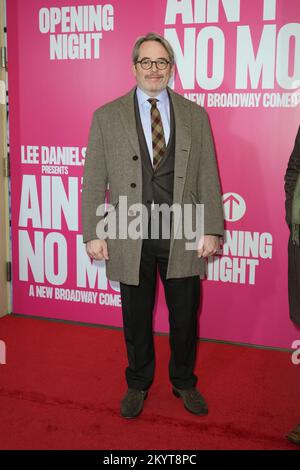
154	64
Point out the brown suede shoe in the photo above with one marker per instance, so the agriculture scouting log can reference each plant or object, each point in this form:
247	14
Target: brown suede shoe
193	400
132	403
294	435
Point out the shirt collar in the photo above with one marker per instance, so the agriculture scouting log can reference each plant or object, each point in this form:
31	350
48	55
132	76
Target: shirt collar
143	97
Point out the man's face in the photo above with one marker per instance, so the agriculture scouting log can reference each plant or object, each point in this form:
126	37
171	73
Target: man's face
152	81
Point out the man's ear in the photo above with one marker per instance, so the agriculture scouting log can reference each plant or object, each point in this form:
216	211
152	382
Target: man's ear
133	68
172	77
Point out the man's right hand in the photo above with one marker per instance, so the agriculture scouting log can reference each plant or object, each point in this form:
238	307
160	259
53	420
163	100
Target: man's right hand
97	249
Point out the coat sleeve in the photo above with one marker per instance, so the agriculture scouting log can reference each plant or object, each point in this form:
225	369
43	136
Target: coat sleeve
209	184
94	181
291	177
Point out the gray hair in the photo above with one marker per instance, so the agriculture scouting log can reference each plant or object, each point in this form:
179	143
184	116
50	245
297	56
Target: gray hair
152	37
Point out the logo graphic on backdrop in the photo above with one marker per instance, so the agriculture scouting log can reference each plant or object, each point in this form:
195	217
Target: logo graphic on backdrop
76	32
234	207
242	251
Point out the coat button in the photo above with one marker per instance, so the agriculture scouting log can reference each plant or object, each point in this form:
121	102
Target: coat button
135	157
133	185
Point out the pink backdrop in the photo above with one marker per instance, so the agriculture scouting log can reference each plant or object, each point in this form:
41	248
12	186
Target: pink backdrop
246	58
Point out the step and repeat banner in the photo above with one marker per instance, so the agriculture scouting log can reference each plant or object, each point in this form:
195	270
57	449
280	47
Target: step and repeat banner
238	59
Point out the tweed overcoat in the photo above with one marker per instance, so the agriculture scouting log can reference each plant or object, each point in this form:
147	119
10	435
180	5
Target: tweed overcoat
113	159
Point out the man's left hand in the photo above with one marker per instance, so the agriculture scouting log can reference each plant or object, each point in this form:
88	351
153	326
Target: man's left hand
208	245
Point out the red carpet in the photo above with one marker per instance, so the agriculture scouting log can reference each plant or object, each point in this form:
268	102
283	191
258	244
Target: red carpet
62	385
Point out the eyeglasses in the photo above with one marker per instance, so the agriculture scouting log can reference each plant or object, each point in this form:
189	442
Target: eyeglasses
146	64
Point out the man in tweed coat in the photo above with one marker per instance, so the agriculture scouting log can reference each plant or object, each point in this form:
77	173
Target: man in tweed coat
154	147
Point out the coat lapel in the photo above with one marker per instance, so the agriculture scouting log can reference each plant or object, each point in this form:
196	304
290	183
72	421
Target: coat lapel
128	120
182	143
182	135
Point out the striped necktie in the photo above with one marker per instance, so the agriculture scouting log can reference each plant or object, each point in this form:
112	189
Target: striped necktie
158	138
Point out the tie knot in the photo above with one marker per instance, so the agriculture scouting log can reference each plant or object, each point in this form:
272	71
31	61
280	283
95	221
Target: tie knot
153	101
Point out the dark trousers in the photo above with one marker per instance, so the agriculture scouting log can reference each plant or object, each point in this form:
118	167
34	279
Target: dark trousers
182	298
